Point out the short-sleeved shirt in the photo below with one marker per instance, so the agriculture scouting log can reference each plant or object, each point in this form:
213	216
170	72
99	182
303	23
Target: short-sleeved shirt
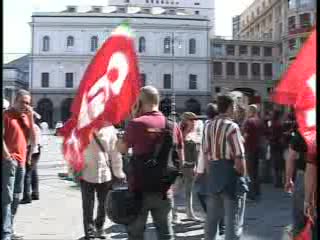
16	134
226	141
139	134
254	129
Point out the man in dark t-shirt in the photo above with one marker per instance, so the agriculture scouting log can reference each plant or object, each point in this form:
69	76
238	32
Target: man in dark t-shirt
295	167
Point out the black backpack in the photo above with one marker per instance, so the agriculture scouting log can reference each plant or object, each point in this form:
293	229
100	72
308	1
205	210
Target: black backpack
159	170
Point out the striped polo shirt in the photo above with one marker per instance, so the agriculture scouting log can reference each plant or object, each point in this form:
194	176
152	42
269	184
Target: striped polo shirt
223	139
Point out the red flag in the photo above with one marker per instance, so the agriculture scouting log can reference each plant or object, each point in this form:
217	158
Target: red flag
107	92
306	233
298	88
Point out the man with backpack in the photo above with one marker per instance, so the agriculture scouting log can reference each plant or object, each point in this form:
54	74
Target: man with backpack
155	142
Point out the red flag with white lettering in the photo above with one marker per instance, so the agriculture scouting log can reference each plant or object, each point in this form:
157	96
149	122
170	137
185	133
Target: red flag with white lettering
298	88
107	92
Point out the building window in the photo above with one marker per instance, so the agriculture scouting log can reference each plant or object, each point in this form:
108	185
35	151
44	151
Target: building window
94	43
69	80
243	50
45	79
230	69
192	46
291	23
292	44
70	41
142	44
255	69
255	51
305	21
196	12
45	44
270	18
192	81
217	68
280	49
268	69
167	81
230	50
267	51
243	69
167	45
292	4
217	50
258	11
143	79
197	4
217	89
263	4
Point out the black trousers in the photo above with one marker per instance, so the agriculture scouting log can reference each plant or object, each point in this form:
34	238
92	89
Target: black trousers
253	172
31	178
88	191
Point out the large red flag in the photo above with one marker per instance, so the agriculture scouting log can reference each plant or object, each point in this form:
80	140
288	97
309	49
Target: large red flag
298	88
107	92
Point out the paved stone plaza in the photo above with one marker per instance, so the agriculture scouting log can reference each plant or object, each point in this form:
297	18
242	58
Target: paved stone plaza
58	214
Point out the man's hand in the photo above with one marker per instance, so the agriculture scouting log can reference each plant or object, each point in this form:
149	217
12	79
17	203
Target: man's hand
289	186
240	166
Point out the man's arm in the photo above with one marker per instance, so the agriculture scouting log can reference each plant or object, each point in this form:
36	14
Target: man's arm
5	151
290	167
122	146
237	145
310	186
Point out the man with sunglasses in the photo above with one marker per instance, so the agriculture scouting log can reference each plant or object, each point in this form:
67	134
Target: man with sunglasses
18	131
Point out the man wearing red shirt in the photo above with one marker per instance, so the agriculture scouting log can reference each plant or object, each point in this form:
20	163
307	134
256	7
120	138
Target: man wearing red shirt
17	133
142	135
253	132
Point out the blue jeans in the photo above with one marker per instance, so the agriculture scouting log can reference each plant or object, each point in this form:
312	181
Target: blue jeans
160	211
221	205
8	177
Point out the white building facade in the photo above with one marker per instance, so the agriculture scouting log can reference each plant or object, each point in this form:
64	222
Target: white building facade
173	56
193	7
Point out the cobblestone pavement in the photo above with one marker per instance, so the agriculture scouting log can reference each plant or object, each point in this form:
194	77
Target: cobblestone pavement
58	213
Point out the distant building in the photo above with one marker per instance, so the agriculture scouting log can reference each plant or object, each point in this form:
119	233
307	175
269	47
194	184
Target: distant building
173	54
243	65
287	22
194	7
235	27
15	76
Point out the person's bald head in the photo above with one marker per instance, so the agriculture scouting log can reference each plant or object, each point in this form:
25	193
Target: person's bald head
149	95
253	110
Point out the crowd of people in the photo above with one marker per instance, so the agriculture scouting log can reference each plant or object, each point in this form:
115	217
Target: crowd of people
219	160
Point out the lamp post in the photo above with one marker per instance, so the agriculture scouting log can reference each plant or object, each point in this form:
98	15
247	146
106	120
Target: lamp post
173	95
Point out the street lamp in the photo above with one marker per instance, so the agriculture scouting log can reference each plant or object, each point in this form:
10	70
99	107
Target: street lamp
173	96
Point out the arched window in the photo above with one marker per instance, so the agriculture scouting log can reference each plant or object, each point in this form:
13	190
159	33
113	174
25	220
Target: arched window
142	44
192	46
45	44
94	43
70	41
167	45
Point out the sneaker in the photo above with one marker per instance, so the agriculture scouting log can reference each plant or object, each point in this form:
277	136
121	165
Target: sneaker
16	236
175	219
26	200
101	234
35	196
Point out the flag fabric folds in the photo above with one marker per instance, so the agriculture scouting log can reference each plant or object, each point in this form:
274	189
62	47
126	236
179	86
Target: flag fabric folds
298	88
106	94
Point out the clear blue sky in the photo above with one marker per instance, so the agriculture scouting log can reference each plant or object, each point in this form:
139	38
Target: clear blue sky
17	15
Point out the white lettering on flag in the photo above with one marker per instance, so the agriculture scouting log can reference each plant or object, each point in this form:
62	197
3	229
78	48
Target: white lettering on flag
311	114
